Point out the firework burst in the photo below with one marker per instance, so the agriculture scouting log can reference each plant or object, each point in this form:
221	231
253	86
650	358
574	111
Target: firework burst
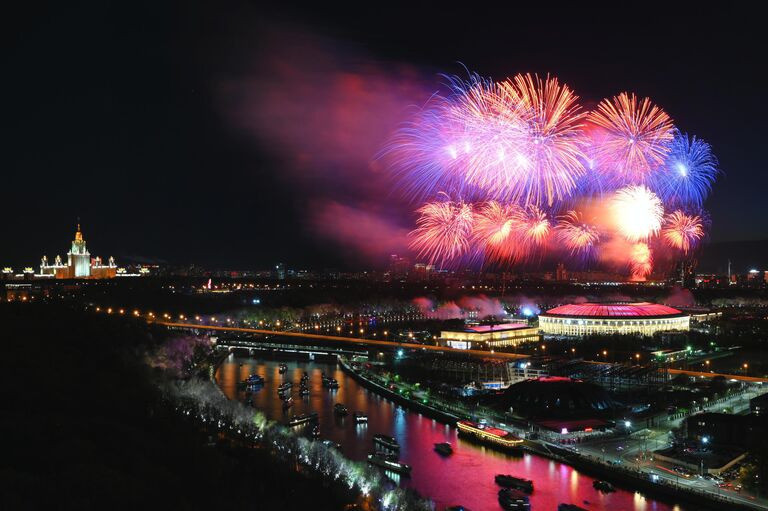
632	137
579	237
443	231
688	173
521	151
637	212
494	229
549	158
682	231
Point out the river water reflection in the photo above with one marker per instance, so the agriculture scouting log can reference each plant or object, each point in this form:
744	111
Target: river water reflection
466	477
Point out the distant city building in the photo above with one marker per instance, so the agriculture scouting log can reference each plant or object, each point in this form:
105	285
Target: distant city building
612	318
79	263
280	271
398	266
488	336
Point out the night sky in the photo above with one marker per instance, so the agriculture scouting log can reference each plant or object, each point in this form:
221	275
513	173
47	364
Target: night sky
151	121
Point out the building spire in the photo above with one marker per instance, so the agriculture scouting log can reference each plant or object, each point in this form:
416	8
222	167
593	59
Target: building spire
78	234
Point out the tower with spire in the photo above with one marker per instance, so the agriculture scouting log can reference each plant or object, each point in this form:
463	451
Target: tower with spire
78	256
79	263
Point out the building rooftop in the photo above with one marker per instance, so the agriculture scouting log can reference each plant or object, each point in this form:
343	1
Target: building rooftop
483	329
614	310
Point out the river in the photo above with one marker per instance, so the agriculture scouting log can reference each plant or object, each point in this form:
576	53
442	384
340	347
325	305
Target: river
466	477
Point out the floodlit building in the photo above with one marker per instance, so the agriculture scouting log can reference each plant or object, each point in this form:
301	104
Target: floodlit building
612	318
79	264
482	336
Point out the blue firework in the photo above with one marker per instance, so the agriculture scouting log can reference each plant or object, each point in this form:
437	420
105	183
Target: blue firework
688	173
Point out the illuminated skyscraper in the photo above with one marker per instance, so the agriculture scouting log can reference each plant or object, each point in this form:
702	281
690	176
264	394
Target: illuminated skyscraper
79	263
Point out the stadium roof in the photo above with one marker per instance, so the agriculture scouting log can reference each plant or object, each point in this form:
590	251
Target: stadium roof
613	310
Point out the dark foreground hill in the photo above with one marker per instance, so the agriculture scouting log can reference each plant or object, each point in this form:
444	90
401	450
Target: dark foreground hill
82	428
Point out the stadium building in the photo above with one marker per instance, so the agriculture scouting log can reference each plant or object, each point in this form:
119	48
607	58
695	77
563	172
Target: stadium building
612	318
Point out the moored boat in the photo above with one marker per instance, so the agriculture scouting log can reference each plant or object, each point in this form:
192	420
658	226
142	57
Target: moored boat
603	486
298	420
283	387
360	417
282	368
340	409
570	507
444	448
385	443
387	463
490	435
510	481
514	499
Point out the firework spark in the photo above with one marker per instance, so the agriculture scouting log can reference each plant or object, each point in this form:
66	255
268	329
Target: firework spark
688	173
637	212
579	237
443	231
682	231
632	138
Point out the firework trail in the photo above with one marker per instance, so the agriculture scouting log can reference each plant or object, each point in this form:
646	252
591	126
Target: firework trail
637	212
579	237
632	137
641	261
682	231
443	231
688	172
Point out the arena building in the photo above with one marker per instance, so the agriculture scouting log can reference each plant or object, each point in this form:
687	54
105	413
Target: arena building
612	318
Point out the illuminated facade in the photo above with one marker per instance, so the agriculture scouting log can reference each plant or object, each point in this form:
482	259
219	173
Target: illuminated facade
617	318
79	263
505	334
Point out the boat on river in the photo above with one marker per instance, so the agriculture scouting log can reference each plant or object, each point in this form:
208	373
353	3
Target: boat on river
444	448
282	368
389	463
298	420
385	443
490	435
340	410
603	486
360	417
570	507
510	481
253	380
284	387
514	499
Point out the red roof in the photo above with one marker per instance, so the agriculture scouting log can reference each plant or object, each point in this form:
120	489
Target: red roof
613	310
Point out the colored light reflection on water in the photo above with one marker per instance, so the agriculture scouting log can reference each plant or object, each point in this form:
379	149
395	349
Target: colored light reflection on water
466	477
